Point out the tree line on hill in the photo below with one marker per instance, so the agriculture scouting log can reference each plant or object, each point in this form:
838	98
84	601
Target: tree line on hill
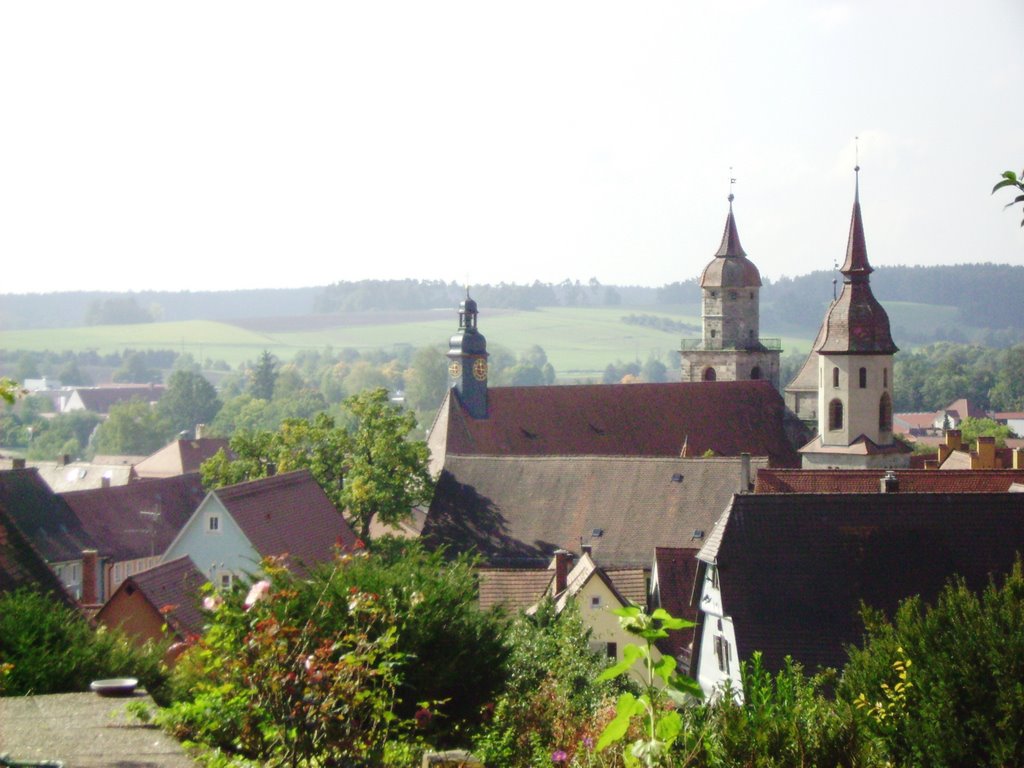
983	297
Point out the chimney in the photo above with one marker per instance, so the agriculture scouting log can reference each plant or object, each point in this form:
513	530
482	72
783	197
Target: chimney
744	473
90	569
105	481
953	439
1018	458
587	549
561	570
987	452
17	463
889	483
200	428
64	460
931	464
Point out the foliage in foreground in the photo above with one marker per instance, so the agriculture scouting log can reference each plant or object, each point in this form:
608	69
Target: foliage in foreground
47	647
372	651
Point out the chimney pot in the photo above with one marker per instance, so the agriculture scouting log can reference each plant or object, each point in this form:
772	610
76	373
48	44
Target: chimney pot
561	570
889	483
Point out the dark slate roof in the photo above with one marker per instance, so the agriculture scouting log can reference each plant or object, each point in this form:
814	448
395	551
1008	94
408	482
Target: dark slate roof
868	480
100	399
42	516
180	457
288	514
856	323
519	510
21	565
794	568
728	417
112	516
173	589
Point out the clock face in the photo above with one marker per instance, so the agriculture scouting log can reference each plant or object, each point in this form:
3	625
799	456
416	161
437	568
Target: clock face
454	369
480	370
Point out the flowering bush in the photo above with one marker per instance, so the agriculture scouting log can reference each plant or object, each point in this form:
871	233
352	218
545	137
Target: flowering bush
291	675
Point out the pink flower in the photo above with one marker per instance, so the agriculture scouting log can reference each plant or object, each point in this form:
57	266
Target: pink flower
212	602
257	592
559	756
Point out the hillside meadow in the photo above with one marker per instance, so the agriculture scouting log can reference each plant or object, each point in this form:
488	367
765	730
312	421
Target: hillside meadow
579	342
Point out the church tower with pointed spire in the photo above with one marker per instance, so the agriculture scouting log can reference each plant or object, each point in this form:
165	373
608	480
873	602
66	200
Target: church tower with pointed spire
855	351
731	348
467	366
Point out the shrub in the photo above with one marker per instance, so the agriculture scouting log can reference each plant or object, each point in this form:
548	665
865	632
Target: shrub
48	647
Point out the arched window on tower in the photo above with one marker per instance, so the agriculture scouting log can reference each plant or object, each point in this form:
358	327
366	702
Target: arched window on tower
885	413
835	414
755	373
709	374
835	378
863	378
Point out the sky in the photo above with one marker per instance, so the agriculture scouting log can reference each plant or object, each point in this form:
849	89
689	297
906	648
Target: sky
226	145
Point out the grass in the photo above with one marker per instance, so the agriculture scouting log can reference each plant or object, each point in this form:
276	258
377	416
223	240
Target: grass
579	342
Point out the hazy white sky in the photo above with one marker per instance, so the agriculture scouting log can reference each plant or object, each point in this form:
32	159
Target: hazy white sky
217	145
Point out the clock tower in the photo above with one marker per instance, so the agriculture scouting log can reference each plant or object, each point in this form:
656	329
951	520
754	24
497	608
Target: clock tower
467	362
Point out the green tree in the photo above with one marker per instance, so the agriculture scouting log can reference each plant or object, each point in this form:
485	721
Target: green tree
263	377
189	400
1007	393
135	370
65	433
426	380
132	428
70	375
1010	179
385	473
966	663
972	428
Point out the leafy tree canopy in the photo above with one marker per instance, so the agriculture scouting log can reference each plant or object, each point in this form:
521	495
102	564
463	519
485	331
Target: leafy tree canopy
189	400
132	428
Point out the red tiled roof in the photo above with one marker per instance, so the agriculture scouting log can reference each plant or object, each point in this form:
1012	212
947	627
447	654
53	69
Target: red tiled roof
116	516
514	588
175	586
677	570
100	399
288	514
21	564
180	457
868	480
727	418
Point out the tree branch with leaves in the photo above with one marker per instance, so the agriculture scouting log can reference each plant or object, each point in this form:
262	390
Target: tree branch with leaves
1011	179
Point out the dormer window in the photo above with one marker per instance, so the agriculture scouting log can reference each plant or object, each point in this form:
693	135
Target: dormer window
212	523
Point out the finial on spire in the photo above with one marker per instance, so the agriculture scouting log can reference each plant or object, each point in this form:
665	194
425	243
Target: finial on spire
732	181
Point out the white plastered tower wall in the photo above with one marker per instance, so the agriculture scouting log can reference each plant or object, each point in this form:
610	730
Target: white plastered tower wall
861	405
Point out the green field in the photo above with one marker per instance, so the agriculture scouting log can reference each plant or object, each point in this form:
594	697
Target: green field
579	342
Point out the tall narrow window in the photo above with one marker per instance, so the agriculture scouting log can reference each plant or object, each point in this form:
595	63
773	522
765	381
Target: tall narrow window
885	413
835	414
885	378
835	378
863	378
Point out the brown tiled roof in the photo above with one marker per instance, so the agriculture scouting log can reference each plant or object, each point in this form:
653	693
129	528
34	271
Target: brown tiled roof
180	457
631	583
515	588
727	418
861	446
100	399
794	568
175	586
904	422
518	510
730	268
21	564
42	516
288	514
867	480
114	516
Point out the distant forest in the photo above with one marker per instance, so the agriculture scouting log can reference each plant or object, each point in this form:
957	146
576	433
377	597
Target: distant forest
984	301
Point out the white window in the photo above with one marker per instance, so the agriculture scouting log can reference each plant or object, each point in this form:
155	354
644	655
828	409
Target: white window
225	579
212	523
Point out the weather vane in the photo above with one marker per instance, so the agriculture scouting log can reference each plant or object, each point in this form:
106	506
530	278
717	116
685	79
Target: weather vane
856	154
732	181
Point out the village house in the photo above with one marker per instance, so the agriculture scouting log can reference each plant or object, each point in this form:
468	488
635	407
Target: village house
234	528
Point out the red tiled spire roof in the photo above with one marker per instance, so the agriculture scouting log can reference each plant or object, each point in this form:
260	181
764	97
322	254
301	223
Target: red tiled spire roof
856	322
730	267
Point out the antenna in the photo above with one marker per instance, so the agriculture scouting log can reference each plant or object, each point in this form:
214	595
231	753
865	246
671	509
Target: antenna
856	154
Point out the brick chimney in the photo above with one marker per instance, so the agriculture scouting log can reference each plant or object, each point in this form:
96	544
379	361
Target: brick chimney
587	549
986	453
1018	458
562	558
18	463
90	576
953	443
